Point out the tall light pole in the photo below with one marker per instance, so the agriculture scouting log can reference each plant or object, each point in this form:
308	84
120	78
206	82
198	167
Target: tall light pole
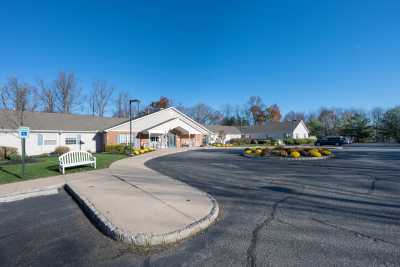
130	121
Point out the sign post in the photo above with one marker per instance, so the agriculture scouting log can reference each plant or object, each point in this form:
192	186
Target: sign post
23	134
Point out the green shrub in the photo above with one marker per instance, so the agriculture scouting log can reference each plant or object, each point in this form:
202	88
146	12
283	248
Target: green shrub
268	142
299	141
61	150
289	141
117	149
239	141
7	152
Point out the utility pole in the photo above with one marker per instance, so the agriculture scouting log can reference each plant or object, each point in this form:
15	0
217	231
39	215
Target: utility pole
130	121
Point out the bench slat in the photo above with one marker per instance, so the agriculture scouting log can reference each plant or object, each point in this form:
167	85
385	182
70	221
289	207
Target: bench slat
76	158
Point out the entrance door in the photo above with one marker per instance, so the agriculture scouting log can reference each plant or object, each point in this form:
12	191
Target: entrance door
171	140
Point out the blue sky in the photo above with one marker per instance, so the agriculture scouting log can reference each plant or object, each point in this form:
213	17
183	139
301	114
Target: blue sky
298	54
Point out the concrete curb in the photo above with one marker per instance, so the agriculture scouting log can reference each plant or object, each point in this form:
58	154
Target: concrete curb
288	158
111	230
307	158
45	191
143	239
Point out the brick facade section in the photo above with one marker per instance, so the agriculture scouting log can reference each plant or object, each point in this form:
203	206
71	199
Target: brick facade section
195	139
111	138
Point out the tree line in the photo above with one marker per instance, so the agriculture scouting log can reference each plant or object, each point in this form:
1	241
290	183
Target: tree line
376	125
65	95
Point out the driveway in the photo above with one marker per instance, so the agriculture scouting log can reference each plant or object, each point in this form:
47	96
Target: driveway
340	212
344	211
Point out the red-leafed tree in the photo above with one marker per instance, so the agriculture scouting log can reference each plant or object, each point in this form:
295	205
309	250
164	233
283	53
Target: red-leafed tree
273	113
256	107
163	102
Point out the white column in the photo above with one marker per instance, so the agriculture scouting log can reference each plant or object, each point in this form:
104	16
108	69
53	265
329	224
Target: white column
149	139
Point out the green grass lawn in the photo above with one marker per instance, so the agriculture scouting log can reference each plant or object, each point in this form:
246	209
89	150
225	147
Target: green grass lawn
48	166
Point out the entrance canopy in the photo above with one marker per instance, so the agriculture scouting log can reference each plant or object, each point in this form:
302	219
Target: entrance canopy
173	124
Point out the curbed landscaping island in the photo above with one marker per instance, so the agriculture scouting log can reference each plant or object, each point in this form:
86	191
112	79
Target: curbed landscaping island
288	153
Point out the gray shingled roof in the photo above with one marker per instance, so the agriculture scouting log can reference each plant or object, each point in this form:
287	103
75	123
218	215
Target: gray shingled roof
57	121
224	128
271	128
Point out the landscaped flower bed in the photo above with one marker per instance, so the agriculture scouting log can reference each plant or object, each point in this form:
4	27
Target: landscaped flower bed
292	153
124	149
222	145
138	151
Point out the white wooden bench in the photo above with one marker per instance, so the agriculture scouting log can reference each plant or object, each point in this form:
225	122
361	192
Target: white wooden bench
76	158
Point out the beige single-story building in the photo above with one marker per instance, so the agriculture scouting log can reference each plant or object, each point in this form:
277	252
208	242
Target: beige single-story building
162	129
224	134
277	130
165	128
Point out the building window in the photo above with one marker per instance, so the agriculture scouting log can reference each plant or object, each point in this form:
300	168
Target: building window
40	139
47	142
70	141
154	139
122	139
50	142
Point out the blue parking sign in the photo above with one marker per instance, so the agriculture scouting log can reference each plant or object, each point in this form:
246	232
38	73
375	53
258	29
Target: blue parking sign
23	132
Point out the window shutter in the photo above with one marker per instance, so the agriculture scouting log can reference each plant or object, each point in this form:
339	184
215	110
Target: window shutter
40	140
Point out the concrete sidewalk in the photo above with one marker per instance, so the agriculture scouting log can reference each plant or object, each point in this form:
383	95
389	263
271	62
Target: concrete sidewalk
36	187
133	203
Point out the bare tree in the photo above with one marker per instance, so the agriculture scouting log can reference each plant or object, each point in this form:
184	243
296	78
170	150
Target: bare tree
4	104
122	105
294	116
204	114
18	96
100	97
328	119
227	110
376	117
47	96
67	93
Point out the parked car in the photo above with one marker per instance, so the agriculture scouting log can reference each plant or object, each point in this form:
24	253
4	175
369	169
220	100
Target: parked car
332	141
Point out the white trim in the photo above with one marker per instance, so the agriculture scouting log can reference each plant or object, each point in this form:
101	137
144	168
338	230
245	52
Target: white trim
190	129
192	120
137	119
50	131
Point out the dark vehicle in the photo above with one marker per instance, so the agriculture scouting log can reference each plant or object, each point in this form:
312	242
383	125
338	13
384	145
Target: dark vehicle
332	141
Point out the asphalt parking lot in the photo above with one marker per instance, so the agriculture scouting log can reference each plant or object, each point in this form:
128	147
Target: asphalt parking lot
339	212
